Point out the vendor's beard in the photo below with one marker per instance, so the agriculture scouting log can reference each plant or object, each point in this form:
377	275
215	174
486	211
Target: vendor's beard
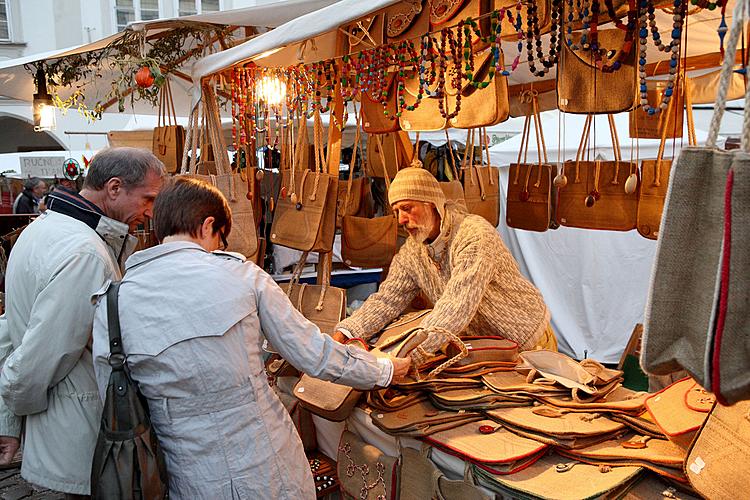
421	232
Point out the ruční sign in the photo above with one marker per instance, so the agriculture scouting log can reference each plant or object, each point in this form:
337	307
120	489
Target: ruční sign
41	166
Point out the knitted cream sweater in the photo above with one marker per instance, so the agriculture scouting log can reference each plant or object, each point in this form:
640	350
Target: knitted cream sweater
472	279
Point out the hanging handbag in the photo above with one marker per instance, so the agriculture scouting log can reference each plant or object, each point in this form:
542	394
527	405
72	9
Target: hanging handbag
379	111
128	463
386	154
595	196
583	88
530	185
481	107
351	194
369	243
655	180
453	189
481	183
407	20
244	237
168	141
697	312
305	215
668	123
448	13
427	116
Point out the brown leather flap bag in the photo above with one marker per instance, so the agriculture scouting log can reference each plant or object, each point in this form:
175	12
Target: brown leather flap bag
369	242
583	88
407	20
595	195
168	138
426	117
374	109
667	122
480	107
481	182
305	215
528	203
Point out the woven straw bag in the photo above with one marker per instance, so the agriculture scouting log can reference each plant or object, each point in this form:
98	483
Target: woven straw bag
244	237
655	176
528	204
583	88
699	304
595	196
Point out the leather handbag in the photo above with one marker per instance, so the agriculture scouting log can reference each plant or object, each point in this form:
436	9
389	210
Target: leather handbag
365	472
244	237
668	123
426	117
655	177
480	107
521	105
453	189
369	243
365	33
324	305
380	117
168	142
407	20
128	462
481	183
386	154
420	419
351	193
583	88
697	312
305	215
596	195
528	204
717	464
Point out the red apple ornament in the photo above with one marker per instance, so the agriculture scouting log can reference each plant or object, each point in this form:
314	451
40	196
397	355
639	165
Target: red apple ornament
144	78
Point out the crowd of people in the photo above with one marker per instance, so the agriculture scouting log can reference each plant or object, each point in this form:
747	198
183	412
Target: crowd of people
193	317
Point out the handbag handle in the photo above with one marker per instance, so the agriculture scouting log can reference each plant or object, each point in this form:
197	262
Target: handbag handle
379	145
531	96
353	163
738	16
188	160
451	157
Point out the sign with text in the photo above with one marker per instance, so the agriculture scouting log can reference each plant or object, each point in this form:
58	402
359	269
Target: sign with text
42	166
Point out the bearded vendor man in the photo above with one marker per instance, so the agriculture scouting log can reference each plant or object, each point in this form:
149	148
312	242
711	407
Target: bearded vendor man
461	264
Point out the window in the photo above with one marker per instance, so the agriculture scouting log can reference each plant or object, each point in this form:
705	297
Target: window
4	21
191	7
127	11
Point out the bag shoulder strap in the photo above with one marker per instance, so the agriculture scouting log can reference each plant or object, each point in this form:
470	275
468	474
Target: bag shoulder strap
117	358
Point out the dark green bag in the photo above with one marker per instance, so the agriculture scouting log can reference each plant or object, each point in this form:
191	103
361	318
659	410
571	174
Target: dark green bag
128	463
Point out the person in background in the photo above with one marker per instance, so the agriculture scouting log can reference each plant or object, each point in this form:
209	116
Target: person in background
460	263
27	202
193	321
59	261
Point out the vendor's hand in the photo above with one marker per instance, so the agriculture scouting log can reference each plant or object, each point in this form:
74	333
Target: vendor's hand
339	337
400	369
8	448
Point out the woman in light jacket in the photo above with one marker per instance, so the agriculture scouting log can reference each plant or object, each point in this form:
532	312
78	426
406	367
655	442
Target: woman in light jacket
193	322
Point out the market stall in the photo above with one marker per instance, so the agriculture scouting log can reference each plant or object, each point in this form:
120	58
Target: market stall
496	420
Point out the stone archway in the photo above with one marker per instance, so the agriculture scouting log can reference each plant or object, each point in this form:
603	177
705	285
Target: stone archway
18	136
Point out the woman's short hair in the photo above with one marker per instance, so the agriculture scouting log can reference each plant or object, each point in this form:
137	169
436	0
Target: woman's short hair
184	203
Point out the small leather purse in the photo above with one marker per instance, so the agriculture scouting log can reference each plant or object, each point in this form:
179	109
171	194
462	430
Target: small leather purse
528	201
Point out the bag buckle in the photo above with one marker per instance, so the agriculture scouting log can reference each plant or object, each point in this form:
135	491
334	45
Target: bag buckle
116	361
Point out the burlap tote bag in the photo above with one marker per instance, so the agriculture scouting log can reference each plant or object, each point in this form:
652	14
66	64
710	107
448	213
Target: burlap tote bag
699	281
583	88
305	215
482	182
655	176
717	464
668	122
169	138
528	203
599	194
379	111
426	117
365	472
244	237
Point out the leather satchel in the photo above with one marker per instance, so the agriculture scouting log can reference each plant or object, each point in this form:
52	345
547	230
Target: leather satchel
426	117
528	204
481	107
244	237
369	243
668	122
305	215
407	20
595	195
386	154
365	472
583	88
374	117
168	142
128	462
655	177
482	183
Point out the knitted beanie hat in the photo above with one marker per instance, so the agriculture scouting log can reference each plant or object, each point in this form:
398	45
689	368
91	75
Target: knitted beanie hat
418	184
